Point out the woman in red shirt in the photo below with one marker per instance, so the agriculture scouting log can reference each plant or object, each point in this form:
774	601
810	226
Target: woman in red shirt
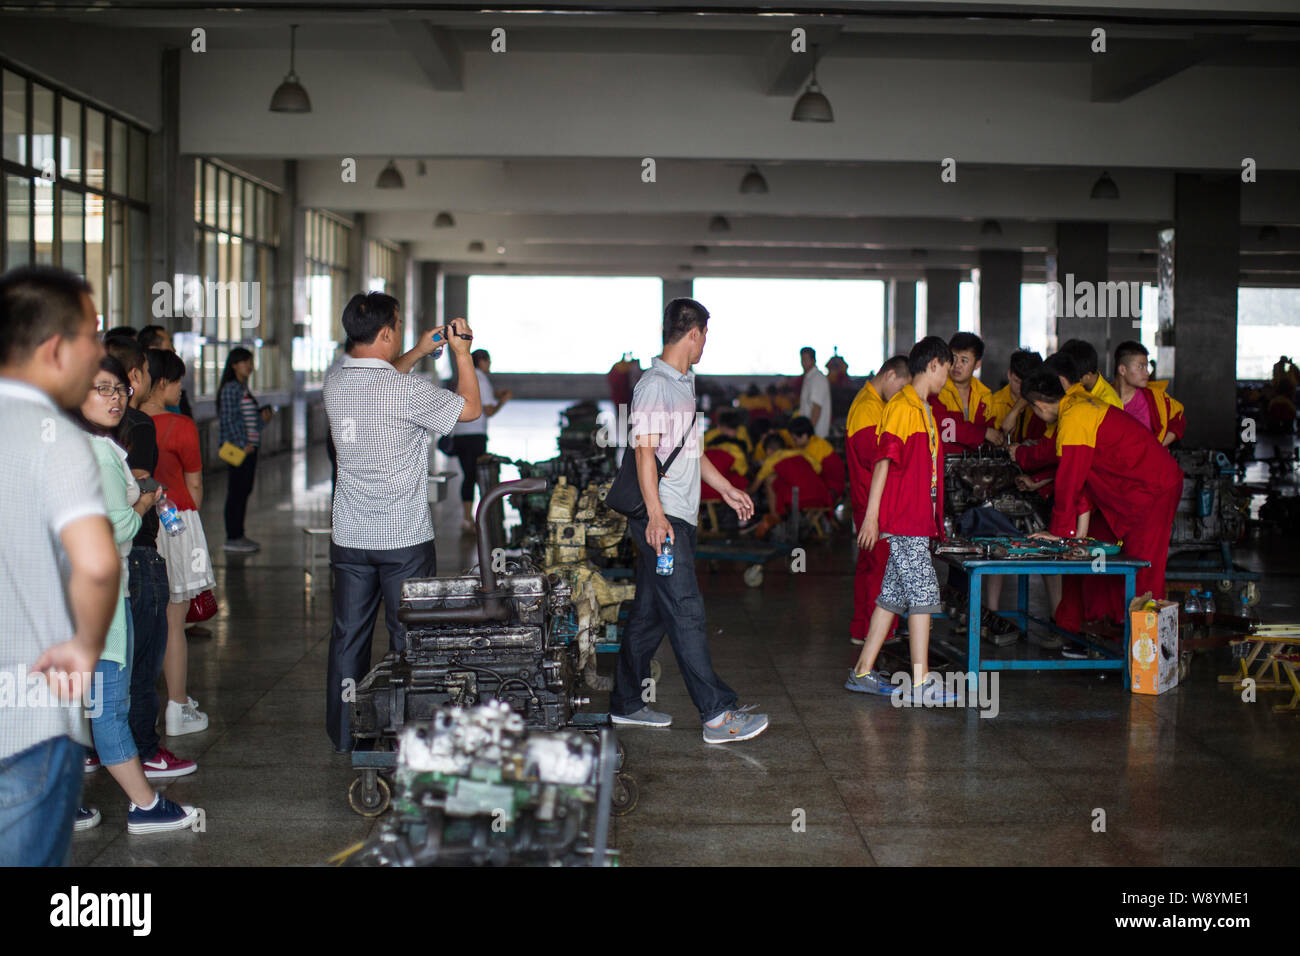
189	569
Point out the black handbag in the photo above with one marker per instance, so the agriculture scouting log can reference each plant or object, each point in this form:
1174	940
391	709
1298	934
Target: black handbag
624	495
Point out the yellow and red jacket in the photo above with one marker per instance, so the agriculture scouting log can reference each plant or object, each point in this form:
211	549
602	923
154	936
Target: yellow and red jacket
740	461
863	422
1028	425
1101	390
775	458
1108	460
817	449
741	439
912	503
1166	411
966	425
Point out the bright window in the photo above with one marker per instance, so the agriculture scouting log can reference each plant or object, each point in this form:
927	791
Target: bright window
566	324
1268	327
757	326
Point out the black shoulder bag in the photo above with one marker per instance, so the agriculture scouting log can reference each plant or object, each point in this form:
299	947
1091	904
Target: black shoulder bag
624	494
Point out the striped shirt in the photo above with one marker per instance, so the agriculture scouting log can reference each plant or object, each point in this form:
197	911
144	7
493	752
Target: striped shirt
48	479
382	422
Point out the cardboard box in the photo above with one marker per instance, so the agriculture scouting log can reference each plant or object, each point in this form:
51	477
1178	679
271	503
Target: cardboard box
1153	646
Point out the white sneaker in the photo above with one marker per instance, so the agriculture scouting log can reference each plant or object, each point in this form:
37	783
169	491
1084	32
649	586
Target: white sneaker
184	719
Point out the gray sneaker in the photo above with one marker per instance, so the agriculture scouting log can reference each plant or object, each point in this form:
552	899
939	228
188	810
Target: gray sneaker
645	717
240	544
737	725
873	682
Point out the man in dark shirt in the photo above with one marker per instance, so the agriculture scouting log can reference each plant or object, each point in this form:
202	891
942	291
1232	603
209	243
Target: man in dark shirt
147	582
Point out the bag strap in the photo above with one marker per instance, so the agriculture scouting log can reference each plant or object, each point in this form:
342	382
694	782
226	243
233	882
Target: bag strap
663	469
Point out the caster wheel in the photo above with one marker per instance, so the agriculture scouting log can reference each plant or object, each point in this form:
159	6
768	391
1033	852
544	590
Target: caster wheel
623	799
656	671
1250	594
1184	665
754	576
620	757
369	804
1225	587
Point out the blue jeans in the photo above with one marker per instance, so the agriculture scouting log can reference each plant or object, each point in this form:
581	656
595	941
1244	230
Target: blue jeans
669	603
111	730
148	599
40	789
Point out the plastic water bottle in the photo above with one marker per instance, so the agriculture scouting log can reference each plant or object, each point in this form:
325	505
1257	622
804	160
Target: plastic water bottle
169	515
1193	609
664	563
1208	605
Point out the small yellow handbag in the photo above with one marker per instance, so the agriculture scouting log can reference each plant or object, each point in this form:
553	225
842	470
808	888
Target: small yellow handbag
232	454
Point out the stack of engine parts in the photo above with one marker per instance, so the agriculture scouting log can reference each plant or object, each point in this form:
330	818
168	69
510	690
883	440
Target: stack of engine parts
476	787
987	477
579	527
578	426
1213	508
578	469
474	639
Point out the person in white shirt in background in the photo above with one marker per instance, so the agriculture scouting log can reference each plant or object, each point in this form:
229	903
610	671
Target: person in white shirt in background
815	396
470	438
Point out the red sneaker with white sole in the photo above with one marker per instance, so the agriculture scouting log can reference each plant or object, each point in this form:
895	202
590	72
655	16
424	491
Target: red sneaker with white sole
92	763
166	765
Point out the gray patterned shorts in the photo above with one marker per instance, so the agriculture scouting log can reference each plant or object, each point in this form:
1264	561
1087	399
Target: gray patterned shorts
910	585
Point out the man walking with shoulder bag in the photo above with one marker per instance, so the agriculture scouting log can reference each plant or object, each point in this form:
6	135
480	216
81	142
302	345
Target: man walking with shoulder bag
662	418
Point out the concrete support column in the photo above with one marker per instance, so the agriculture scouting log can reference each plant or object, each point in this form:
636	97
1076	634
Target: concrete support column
1000	275
171	194
1207	224
1081	256
289	296
941	302
679	289
900	317
426	297
455	304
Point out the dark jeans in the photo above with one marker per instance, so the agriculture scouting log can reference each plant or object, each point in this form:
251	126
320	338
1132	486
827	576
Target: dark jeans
239	487
40	788
149	596
669	603
468	450
361	577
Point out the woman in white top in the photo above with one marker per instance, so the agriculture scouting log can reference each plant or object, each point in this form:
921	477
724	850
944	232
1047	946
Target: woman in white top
470	438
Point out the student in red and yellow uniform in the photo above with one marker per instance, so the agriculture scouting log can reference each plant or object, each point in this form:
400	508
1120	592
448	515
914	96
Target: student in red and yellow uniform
730	427
756	403
1147	401
905	505
1116	466
785	469
963	406
806	440
1011	413
1086	362
864	418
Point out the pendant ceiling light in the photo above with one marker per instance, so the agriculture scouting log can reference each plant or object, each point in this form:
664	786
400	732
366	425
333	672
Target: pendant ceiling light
476	246
290	97
991	227
813	106
719	224
753	183
444	220
1105	188
699	250
390	177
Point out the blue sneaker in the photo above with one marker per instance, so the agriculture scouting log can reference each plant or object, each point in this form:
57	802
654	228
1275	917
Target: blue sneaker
87	818
164	815
873	682
933	693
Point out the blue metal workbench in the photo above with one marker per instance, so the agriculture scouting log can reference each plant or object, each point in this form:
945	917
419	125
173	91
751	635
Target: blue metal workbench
1022	569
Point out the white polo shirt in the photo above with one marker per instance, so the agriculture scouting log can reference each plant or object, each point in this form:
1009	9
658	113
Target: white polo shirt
382	421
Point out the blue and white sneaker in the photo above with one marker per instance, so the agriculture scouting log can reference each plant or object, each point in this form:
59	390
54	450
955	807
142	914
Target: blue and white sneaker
739	723
645	717
933	692
872	682
87	818
163	816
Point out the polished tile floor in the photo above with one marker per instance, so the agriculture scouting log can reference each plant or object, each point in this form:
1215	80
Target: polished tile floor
1192	777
